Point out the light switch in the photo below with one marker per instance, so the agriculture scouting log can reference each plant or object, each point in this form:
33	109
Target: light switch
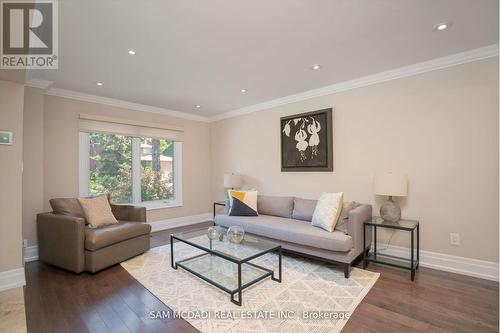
5	138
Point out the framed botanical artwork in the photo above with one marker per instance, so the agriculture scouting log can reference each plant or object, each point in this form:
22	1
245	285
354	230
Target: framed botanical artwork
307	141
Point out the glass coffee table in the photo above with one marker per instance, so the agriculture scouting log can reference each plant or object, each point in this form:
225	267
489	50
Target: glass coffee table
224	264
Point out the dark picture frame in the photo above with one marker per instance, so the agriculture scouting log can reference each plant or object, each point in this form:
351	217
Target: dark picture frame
307	141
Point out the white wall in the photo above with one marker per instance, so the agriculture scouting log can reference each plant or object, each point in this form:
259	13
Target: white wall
441	128
11	119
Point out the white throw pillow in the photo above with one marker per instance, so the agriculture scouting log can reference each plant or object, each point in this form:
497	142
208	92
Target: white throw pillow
328	210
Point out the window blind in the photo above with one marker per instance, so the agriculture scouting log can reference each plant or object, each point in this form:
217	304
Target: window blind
136	128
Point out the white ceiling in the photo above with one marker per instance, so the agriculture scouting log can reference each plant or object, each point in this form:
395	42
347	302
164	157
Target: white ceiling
203	52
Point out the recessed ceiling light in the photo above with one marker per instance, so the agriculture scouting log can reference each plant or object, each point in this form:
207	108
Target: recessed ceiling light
315	67
243	90
131	52
442	26
99	83
198	106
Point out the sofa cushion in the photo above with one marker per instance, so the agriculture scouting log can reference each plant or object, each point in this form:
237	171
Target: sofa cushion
343	220
289	230
97	238
275	206
303	209
67	206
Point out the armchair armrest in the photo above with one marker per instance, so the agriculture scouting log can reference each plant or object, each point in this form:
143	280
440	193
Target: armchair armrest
357	217
129	213
61	241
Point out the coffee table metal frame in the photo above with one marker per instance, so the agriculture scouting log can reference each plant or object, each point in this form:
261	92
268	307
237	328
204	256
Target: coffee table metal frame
239	262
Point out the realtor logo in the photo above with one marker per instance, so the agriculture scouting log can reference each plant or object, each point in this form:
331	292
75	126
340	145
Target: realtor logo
29	34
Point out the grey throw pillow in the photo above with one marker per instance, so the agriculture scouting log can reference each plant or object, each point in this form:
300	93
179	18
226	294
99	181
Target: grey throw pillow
275	206
303	209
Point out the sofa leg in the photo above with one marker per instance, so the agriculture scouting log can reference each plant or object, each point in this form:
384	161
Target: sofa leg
347	271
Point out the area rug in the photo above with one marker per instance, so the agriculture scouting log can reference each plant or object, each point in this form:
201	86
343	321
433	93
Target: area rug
313	296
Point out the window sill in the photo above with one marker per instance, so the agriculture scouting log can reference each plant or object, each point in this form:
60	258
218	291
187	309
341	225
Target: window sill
159	205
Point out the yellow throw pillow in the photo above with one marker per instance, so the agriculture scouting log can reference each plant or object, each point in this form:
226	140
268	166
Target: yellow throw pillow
97	211
242	203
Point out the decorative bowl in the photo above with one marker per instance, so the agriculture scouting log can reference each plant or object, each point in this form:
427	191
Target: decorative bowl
235	234
213	233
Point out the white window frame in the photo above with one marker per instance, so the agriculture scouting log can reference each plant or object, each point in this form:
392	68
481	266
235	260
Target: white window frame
84	174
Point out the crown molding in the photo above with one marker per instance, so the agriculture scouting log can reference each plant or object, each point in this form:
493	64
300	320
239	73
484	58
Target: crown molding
38	83
415	69
122	104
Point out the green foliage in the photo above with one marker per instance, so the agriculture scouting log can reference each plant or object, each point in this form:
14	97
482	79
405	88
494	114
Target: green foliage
153	187
111	170
111	166
167	148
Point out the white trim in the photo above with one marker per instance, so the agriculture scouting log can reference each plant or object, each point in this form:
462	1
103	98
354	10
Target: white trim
177	168
415	69
136	170
180	221
122	104
38	83
159	204
129	122
83	164
444	262
12	279
30	253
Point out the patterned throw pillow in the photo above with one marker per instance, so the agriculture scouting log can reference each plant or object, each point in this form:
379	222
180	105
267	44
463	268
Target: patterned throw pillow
328	210
242	203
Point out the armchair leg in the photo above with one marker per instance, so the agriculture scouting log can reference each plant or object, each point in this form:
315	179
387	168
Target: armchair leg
347	270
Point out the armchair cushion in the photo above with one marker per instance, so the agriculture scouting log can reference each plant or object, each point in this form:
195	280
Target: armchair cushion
129	213
67	206
97	238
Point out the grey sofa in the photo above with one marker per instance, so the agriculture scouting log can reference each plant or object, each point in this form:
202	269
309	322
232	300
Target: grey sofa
287	221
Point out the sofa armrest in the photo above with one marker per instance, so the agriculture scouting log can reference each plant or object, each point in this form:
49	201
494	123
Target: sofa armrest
129	213
357	217
61	241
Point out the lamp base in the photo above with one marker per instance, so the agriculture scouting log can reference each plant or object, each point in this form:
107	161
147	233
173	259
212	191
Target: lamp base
390	211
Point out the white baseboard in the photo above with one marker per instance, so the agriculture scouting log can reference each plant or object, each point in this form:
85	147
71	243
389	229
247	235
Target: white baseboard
180	221
12	279
30	253
444	262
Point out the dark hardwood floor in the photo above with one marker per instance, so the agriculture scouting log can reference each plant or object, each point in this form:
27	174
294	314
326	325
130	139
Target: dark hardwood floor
112	301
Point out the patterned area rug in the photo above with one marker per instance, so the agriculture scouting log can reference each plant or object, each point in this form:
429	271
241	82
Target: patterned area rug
313	297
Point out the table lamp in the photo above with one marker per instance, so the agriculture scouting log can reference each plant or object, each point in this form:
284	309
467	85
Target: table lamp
391	184
232	181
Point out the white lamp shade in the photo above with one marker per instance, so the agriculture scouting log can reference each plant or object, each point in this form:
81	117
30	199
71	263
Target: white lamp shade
391	183
232	181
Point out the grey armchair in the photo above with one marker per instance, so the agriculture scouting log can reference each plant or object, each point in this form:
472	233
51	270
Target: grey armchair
64	239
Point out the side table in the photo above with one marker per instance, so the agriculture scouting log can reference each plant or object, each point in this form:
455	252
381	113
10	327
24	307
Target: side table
406	225
219	203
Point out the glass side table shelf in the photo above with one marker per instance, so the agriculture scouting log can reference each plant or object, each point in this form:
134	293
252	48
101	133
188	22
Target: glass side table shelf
411	226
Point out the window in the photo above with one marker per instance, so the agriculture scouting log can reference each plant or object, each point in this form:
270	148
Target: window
133	170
